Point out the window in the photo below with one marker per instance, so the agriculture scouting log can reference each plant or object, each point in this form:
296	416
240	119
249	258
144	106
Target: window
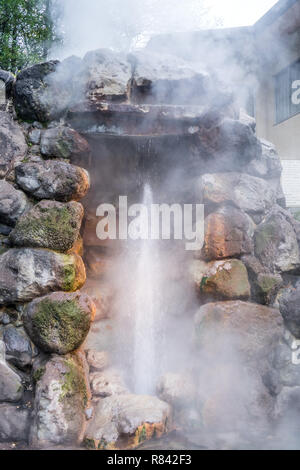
285	107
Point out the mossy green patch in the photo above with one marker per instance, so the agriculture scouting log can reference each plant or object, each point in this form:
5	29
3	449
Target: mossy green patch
264	236
60	323
38	374
74	383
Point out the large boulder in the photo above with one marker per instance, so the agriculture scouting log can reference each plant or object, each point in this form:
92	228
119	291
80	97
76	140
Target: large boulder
276	244
13	203
248	193
252	331
14	423
221	280
39	94
8	80
264	284
50	224
53	180
63	142
167	79
11	389
13	147
125	421
268	166
59	322
60	400
289	301
228	233
106	75
29	273
19	351
178	390
227	146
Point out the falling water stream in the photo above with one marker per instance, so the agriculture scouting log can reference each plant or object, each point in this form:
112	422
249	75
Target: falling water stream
147	309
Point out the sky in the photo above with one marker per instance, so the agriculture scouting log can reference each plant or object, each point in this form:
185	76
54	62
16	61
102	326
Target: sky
240	12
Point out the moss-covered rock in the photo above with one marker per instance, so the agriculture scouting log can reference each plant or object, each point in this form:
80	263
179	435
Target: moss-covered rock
60	400
223	280
49	224
63	142
59	323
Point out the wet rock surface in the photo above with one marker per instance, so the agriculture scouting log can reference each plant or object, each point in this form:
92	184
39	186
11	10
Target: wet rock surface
28	273
53	180
49	224
289	301
11	389
125	421
228	233
60	401
13	147
107	383
63	142
13	204
14	423
19	351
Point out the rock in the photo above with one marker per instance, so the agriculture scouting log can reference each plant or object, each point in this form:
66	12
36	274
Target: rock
107	383
248	193
228	146
59	323
222	280
13	204
264	285
13	147
28	273
286	364
34	136
288	406
228	233
60	401
11	389
97	360
248	120
251	331
102	296
268	166
177	389
125	421
288	300
39	94
106	76
8	79
167	79
14	423
63	142
276	244
49	224
18	347
98	263
53	180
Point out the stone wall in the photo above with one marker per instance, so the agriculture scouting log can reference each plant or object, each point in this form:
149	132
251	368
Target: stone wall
51	390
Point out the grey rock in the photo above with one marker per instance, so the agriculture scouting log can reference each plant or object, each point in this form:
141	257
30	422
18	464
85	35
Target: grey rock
18	347
13	147
29	273
38	93
8	79
248	193
106	76
289	300
14	423
97	360
178	390
268	166
59	322
60	400
125	415
107	383
49	224
13	204
288	406
276	244
53	180
63	142
285	365
34	136
11	389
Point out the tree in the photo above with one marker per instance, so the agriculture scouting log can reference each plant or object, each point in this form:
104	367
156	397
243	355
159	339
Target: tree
27	32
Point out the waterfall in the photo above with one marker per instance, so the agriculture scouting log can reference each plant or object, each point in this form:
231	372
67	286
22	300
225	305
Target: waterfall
147	311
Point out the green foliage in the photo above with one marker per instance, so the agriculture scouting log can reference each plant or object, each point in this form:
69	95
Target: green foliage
27	32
